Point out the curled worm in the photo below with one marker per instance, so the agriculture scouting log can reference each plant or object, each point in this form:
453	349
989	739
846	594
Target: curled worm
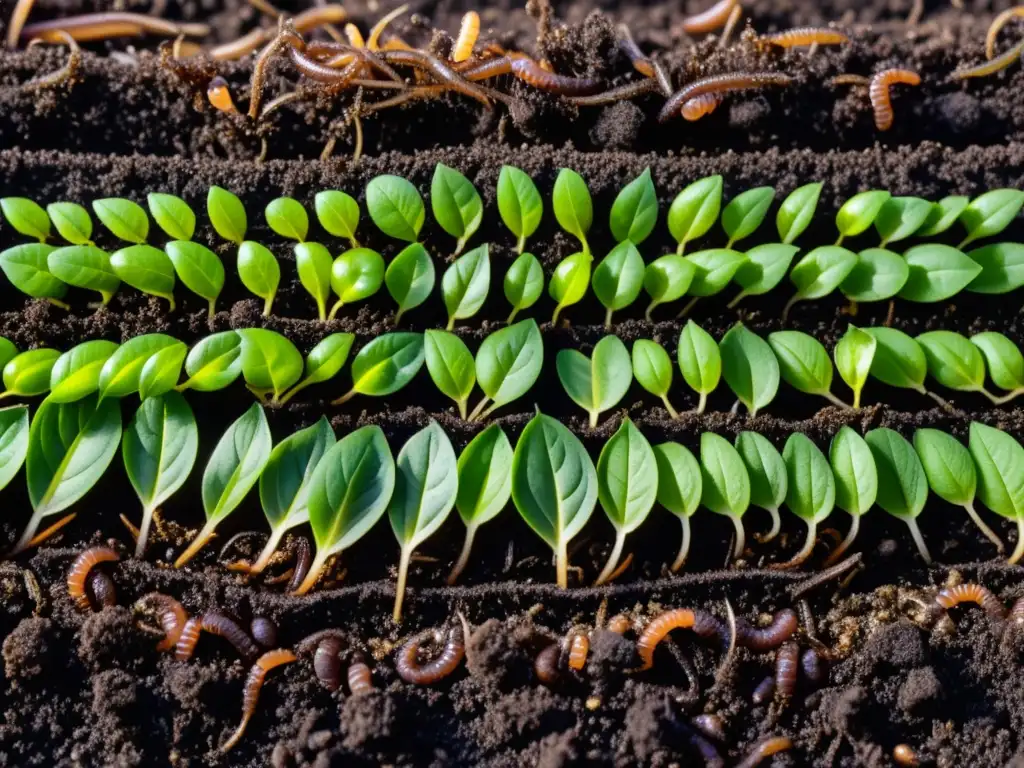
701	622
697	107
709	20
216	624
971	593
765	639
545	665
530	72
878	92
171	615
360	679
764	690
303	561
251	692
80	570
326	646
787	666
733	81
408	664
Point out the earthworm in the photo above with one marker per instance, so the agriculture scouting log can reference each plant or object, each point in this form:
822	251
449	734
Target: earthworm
787	666
264	631
307	21
326	646
709	20
618	624
733	81
216	624
765	748
220	95
530	72
766	638
102	589
63	74
640	61
998	23
619	93
171	615
251	692
545	665
407	663
764	691
579	648
339	55
485	70
878	92
468	33
285	37
321	73
701	622
849	79
303	560
101	26
711	726
360	678
801	36
812	666
440	70
997	64
1016	615
80	569
377	29
972	593
904	755
696	108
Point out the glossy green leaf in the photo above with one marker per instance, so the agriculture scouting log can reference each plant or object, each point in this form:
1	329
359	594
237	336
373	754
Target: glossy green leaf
451	366
937	272
947	465
999	460
618	278
146	269
745	212
749	367
952	360
84	266
859	212
854	355
989	214
236	463
652	367
943	215
519	203
288	218
680	483
77	372
878	275
286	481
901	217
714	269
853	466
695	210
338	214
314	264
573	208
387	363
797	211
259	272
72	221
1002	268
766	469
198	268
27	268
357	274
803	362
597	383
26	216
627	478
173	215
524	283
899	361
509	362
227	214
485	477
410	278
902	485
456	204
214	363
8	351
161	372
820	272
28	374
125	219
120	375
811	491
1003	358
764	268
725	482
635	210
465	284
270	362
14	432
395	207
667	279
323	362
699	360
569	282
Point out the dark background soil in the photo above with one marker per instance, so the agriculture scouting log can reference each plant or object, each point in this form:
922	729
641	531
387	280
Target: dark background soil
90	690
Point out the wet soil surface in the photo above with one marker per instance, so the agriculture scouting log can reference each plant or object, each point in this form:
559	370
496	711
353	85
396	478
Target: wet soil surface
90	689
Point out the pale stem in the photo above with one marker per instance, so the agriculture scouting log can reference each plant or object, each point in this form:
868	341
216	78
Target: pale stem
944	403
479	409
841	238
684	547
608	319
650	308
284	398
989	533
460	564
562	566
315	570
668	407
521	244
1018	552
741	537
1000	400
593	418
267	305
776	525
59	303
198	543
847	542
344	398
856	398
30	531
613	559
268	551
689	305
915	532
334	310
805	552
451	323
143	538
489	411
403	573
554	317
702	402
834	400
512	315
321	309
462	407
681	247
398	316
789	306
739	297
211	312
171	305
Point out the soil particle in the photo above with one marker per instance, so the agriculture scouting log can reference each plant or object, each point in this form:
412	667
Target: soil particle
495	658
108	639
559	750
846	708
897	646
522	716
29	649
369	719
921	693
611	654
648	726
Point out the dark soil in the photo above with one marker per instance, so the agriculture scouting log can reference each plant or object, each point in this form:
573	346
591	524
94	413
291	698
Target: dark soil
91	690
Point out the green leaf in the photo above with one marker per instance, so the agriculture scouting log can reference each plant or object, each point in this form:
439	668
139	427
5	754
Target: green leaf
763	269
652	367
797	211
725	482
899	361
853	467
573	208
7	351
70	446
937	272
286	482
854	355
451	366
991	213
699	360
803	362
160	448
859	212
485	477
26	216
72	221
28	374
173	215
627	478
769	479
259	272
214	363
160	373
288	218
270	362
77	372
820	272
1003	357
323	362
943	215
509	362
198	268
999	459
465	284
714	269
1002	268
410	278
811	492
680	484
878	275
618	278
456	204
395	207
338	214
236	463
27	268
227	214
953	361
125	219
596	384
387	363
901	217
84	266
749	367
902	485
121	374
524	283
695	210
14	432
947	465
745	212
357	274
568	284
314	264
519	203
146	269
635	210
554	485
667	279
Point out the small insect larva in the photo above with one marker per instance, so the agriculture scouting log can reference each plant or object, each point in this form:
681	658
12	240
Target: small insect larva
355	37
171	615
733	81
764	690
696	108
801	36
264	631
80	569
220	95
378	29
102	589
709	20
787	666
766	638
360	679
327	663
619	624
251	692
530	72
1016	615
701	622
878	92
764	749
711	726
545	665
972	593
812	665
468	33
904	755
708	752
579	648
187	639
408	664
216	624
